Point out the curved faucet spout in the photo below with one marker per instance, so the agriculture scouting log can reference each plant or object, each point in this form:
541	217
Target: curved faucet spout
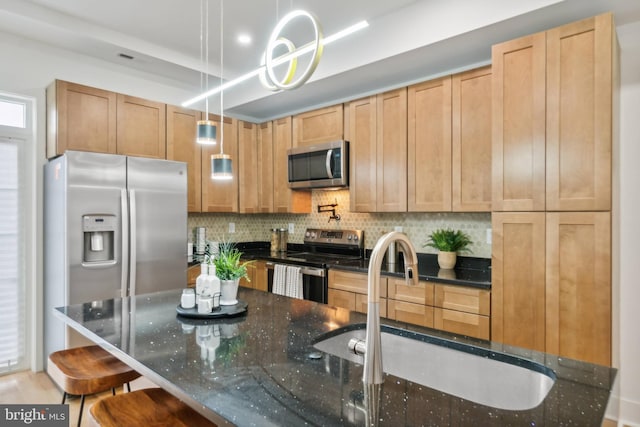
373	350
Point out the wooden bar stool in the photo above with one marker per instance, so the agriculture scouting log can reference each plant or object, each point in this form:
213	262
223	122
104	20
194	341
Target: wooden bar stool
144	408
88	370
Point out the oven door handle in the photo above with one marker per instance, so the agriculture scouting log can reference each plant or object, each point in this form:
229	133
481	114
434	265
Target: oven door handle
305	271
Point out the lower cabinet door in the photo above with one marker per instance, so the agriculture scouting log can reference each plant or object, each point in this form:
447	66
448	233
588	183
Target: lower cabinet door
343	299
473	325
362	305
417	314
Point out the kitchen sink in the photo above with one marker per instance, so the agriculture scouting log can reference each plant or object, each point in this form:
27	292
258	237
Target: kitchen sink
473	373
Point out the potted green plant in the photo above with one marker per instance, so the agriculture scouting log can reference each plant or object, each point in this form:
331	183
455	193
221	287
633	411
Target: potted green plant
448	242
229	270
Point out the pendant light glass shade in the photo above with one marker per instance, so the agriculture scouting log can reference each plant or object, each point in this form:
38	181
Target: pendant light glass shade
221	166
206	132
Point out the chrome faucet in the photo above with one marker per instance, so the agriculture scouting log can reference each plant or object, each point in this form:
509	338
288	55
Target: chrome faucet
372	348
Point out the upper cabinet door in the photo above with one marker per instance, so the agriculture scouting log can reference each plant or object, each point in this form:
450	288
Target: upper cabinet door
581	67
471	141
362	155
285	200
391	135
141	127
428	147
80	118
312	127
265	167
519	124
247	167
182	146
221	195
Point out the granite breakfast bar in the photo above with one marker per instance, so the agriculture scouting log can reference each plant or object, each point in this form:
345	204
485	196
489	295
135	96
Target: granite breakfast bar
261	369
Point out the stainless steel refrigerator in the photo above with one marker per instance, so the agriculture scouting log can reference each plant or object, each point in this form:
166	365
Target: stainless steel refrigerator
113	226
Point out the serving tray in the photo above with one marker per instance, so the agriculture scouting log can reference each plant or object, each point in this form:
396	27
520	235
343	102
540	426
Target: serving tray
223	311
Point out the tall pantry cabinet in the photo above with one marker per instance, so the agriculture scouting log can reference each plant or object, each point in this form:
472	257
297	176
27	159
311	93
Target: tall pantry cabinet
553	97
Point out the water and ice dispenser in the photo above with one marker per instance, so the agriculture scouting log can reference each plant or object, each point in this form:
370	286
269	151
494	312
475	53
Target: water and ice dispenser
99	238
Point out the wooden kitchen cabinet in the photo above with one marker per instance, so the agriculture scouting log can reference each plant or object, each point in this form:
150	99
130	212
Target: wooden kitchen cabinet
221	195
581	71
362	155
349	290
429	146
518	117
553	105
285	200
182	147
80	118
378	153
463	310
192	274
141	127
471	141
411	304
322	125
265	167
578	286
391	129
248	167
518	279
551	283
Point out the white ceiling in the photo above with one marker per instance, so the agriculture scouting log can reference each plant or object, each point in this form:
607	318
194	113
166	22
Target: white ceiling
407	40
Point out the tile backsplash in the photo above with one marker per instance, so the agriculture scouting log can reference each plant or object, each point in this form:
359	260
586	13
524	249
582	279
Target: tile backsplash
256	227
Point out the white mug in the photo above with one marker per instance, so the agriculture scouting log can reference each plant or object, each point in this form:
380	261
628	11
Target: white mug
188	298
205	304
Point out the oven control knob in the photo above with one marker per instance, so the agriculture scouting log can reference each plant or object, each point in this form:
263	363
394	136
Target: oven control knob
307	234
349	237
355	238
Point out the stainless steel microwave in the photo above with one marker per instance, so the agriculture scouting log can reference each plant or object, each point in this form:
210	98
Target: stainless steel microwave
322	165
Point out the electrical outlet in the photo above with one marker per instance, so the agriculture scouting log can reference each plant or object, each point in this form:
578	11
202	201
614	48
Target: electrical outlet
232	227
488	236
292	228
398	228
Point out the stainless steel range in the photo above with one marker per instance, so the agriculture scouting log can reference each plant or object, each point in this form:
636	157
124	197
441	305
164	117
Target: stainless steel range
321	249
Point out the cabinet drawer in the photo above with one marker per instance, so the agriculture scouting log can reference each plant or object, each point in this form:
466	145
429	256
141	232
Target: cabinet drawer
468	300
353	282
417	314
472	325
421	294
362	305
342	299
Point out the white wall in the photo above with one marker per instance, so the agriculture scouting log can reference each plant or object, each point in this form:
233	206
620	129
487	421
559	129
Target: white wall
29	67
629	223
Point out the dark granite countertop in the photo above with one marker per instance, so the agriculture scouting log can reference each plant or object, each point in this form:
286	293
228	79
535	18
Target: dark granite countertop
469	271
259	369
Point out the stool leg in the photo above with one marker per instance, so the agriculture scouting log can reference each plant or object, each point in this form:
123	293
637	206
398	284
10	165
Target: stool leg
113	391
64	397
129	387
81	408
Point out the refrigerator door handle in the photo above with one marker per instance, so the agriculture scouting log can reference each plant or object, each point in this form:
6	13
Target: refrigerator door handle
124	204
132	244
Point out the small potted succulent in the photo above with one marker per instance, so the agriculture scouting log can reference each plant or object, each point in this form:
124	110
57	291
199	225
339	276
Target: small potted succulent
448	242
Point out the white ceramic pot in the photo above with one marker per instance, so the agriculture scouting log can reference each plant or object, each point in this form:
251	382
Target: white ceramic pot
229	292
447	260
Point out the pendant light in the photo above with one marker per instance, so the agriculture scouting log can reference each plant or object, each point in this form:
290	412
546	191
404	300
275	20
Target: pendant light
221	163
206	129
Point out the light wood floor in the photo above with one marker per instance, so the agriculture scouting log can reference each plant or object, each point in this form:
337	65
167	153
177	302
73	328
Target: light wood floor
37	388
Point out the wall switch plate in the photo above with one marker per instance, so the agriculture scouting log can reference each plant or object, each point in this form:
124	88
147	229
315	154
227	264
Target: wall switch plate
398	228
292	228
232	227
488	236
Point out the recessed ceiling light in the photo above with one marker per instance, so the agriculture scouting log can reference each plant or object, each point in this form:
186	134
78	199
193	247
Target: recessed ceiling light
244	39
